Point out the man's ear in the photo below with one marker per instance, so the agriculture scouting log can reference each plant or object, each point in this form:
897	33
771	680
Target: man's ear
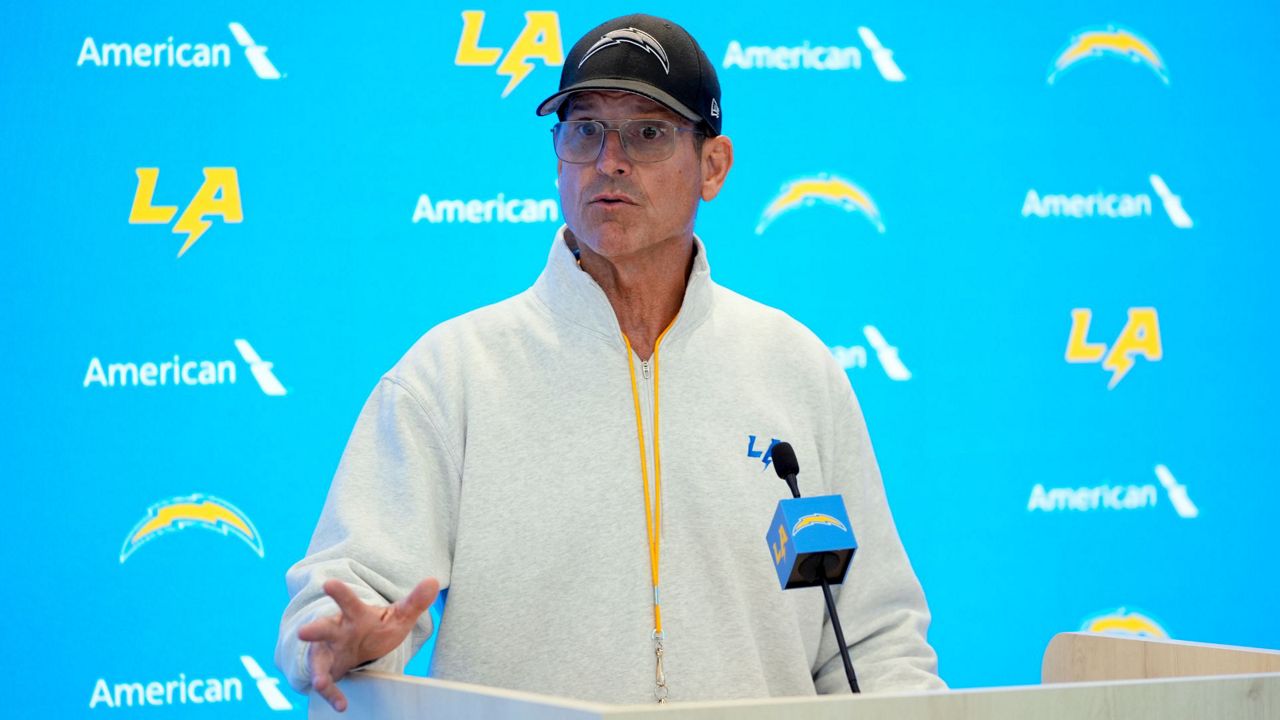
717	158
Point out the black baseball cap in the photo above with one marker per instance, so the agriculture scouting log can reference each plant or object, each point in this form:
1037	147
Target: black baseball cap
648	56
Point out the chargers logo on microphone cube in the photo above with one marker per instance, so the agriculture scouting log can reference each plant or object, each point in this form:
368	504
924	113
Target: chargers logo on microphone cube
804	527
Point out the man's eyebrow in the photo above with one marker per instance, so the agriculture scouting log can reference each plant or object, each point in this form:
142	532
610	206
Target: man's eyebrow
590	104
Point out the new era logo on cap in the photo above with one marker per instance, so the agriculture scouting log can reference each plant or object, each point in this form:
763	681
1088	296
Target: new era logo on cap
631	36
715	108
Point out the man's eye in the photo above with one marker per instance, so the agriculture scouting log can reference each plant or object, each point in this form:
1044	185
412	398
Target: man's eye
648	132
588	129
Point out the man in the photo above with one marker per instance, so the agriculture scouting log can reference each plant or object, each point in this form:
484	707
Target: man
569	462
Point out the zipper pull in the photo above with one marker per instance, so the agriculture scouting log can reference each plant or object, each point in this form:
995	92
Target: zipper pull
644	369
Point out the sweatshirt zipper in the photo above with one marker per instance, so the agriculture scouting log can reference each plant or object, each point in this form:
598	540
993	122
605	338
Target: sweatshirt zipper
646	405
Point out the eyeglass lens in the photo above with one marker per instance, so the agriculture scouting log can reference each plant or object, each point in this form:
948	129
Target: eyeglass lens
580	141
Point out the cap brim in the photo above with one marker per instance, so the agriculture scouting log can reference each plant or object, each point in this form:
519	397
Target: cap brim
643	89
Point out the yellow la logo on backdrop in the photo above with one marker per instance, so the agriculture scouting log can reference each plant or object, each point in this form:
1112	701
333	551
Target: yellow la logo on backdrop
540	40
1140	337
219	195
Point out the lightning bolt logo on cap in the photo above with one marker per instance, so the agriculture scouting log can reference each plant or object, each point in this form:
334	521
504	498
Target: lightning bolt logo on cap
821	188
1109	41
630	36
179	513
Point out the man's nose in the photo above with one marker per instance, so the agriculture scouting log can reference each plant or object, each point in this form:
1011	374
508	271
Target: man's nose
613	159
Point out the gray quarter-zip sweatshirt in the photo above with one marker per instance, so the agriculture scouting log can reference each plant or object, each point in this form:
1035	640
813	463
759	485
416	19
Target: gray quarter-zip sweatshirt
500	455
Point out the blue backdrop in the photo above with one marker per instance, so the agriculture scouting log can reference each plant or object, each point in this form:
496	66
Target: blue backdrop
1053	217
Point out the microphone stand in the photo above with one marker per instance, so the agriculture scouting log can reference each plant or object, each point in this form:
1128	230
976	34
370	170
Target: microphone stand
817	567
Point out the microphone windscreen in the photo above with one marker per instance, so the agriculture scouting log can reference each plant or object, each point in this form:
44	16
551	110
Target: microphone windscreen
784	460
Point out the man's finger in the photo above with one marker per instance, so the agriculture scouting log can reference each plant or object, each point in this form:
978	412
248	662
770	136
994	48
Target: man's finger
328	690
321	665
346	598
418	599
322	630
319	662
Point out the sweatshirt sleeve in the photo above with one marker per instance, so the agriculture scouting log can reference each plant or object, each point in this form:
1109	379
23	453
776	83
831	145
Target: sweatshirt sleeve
882	606
387	524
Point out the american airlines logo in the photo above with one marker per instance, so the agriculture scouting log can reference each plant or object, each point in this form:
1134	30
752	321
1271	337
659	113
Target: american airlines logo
807	56
855	356
475	211
256	54
183	372
1115	497
268	687
184	690
1109	205
261	369
177	54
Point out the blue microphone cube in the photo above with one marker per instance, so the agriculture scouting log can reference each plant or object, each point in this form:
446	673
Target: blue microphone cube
803	528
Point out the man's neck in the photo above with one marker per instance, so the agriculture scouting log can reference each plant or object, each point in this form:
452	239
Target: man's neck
646	290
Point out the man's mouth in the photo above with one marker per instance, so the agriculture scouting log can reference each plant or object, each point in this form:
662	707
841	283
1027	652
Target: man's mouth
612	199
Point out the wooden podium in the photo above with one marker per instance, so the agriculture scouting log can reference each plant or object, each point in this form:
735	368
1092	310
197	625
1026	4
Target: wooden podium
1084	675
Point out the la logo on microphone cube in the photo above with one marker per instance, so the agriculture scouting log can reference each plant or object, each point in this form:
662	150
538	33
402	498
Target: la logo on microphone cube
804	526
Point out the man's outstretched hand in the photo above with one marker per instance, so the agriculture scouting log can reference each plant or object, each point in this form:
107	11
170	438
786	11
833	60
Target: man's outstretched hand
358	633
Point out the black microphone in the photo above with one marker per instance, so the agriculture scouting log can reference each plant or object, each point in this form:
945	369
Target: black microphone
829	558
786	465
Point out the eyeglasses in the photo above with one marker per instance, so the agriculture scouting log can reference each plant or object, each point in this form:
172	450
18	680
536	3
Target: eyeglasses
643	140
